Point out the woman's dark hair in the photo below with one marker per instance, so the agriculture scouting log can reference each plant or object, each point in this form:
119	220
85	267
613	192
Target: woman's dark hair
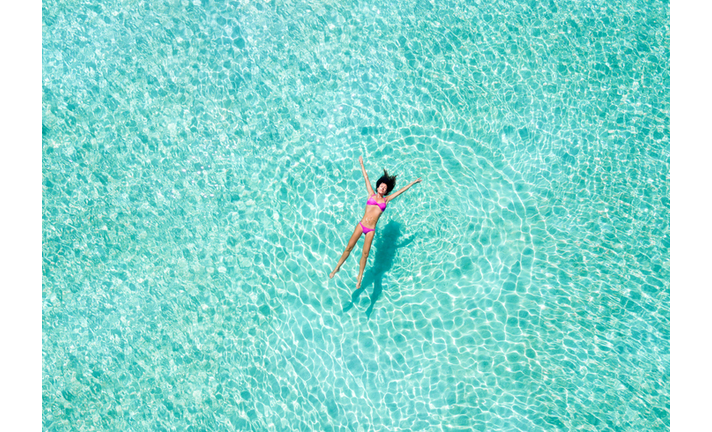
390	181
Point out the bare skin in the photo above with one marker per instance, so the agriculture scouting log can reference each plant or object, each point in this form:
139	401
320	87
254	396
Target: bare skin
369	220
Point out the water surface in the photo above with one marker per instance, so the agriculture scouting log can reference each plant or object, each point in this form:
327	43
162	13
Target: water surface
201	179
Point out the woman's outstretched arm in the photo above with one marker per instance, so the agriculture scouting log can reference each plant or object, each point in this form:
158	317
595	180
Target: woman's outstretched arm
365	177
403	189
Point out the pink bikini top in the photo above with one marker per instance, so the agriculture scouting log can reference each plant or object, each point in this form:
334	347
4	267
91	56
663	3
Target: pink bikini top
372	201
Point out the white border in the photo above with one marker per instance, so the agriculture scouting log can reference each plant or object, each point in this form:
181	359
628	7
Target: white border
21	216
690	217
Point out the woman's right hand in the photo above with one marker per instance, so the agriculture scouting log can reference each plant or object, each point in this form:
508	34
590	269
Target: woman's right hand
360	159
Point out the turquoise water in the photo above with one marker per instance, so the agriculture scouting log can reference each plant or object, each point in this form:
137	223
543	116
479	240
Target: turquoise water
201	179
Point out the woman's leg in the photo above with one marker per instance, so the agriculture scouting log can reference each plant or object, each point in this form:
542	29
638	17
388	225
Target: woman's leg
364	255
352	242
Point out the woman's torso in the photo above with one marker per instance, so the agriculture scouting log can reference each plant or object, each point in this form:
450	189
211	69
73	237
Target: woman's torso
373	212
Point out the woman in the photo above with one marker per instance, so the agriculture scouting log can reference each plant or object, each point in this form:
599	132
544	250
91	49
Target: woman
375	206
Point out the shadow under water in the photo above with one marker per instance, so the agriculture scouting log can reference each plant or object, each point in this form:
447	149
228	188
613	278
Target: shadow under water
386	248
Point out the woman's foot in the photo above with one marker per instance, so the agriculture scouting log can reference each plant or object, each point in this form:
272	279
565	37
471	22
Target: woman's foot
331	275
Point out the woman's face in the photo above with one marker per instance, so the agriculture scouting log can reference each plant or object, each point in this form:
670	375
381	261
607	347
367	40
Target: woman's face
382	188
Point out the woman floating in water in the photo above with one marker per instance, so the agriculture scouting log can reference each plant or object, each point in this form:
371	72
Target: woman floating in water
375	206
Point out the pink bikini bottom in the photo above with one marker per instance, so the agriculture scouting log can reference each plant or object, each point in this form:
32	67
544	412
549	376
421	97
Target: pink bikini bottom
366	230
